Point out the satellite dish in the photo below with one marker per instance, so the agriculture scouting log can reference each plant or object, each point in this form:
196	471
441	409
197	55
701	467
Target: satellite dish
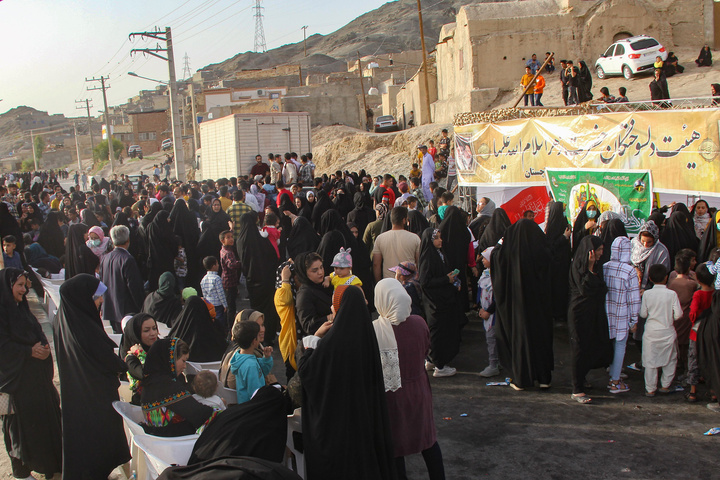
373	91
376	65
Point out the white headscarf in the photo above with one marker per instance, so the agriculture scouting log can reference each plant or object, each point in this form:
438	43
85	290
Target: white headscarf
394	306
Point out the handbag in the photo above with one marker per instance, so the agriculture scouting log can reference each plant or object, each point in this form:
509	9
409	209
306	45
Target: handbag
6	407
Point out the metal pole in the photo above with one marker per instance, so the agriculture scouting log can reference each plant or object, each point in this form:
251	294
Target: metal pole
533	79
111	152
362	88
196	140
304	29
174	111
425	66
77	146
32	142
92	137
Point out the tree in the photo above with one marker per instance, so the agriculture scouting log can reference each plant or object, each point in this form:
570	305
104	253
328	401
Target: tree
100	152
28	165
39	144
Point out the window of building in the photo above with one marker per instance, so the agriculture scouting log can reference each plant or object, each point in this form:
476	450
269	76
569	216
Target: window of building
460	59
145	136
274	95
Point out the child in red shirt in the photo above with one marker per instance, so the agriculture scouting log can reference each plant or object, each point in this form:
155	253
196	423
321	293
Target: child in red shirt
702	300
271	231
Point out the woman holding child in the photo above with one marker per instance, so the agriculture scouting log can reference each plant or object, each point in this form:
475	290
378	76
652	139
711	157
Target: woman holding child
167	404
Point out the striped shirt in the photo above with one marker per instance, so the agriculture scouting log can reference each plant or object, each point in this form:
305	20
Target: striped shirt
212	289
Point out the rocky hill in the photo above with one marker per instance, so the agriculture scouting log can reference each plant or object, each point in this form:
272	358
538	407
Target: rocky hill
392	28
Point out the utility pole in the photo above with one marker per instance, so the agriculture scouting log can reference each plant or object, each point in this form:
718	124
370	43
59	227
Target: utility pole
304	29
77	146
425	65
32	142
166	36
87	107
362	87
111	153
196	140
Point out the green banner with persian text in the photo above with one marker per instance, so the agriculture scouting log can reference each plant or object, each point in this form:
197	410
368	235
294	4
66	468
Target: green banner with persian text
625	192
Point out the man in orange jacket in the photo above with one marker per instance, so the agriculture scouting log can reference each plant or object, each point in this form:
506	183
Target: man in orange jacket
539	87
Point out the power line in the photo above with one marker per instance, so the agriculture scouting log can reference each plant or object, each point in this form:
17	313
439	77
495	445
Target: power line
176	9
185	32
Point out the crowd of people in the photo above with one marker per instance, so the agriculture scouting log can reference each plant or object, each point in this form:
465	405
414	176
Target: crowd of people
576	80
318	258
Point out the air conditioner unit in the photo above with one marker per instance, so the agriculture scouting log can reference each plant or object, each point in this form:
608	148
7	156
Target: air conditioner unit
261	93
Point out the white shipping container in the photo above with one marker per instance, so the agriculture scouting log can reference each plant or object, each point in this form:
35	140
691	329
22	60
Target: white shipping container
230	144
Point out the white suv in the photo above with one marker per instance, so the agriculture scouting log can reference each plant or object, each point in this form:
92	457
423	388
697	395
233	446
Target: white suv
629	56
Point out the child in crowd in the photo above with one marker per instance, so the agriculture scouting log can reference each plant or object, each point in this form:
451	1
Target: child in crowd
622	304
701	301
230	272
661	307
272	230
35	229
486	299
249	371
622	95
406	273
212	290
205	385
684	285
180	263
97	242
342	262
415	171
11	258
714	266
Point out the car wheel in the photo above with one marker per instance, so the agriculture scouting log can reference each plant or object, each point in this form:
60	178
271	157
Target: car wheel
600	72
627	72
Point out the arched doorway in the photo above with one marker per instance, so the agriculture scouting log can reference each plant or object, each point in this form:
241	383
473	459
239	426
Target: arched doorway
621	36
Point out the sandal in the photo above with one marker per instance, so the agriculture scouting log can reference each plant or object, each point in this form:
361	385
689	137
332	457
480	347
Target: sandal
618	387
691	397
581	398
650	394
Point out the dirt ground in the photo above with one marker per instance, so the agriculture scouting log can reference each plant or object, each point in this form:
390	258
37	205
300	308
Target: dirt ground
544	434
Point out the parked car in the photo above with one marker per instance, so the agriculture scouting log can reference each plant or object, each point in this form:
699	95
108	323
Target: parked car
135	151
629	57
386	123
167	144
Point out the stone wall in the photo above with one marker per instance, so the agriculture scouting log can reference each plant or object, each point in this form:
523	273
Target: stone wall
489	43
327	104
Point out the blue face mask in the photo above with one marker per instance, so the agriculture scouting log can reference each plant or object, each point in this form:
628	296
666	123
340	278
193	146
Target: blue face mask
591	213
717	225
96	243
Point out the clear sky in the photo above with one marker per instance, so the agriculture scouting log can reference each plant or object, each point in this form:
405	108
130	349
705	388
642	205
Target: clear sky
48	47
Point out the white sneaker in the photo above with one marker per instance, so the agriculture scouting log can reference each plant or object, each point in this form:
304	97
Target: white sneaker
446	371
429	366
490	371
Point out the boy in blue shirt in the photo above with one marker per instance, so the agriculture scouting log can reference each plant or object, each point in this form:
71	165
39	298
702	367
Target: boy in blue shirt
249	370
11	258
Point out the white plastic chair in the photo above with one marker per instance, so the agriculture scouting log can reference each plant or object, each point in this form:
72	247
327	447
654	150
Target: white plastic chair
227	394
107	327
163	452
132	418
115	337
193	368
295	425
124	391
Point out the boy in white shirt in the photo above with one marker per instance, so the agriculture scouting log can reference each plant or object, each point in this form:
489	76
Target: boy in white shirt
661	307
